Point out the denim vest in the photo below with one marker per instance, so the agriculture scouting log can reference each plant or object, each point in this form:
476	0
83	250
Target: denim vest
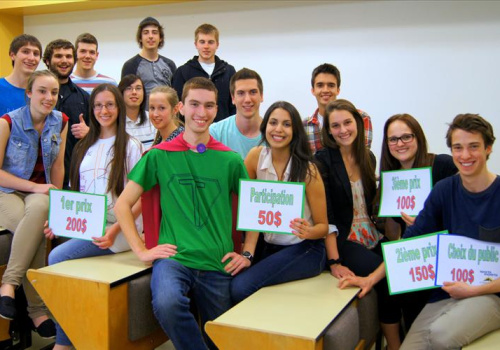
21	152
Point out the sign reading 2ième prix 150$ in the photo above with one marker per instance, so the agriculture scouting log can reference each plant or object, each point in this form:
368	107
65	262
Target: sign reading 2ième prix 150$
269	205
404	191
77	215
410	264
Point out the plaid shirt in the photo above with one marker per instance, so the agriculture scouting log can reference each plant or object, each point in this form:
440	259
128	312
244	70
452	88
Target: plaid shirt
313	130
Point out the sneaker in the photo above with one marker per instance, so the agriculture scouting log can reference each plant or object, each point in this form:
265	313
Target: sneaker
8	308
46	329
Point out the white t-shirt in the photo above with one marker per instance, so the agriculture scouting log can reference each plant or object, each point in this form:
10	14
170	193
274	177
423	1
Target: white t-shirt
94	174
208	67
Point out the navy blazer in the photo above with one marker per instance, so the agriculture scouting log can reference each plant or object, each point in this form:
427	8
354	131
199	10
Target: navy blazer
338	191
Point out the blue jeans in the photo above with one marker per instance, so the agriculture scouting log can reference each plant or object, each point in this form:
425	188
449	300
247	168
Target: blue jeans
170	284
280	264
73	249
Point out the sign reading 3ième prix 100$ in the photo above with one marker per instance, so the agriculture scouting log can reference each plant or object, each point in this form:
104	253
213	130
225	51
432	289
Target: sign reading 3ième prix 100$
269	206
404	191
76	214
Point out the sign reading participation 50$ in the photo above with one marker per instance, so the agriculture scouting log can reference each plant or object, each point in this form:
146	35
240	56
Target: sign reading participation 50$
269	205
76	214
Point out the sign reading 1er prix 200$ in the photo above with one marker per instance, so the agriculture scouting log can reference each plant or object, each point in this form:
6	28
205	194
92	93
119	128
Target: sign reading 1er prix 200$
404	191
269	205
76	214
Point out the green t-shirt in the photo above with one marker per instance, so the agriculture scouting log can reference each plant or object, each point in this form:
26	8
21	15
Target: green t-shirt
195	201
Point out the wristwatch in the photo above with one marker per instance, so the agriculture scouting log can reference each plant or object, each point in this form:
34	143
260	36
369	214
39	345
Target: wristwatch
331	262
248	255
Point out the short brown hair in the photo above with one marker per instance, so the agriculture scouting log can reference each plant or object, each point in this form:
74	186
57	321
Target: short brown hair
472	123
86	38
198	83
23	40
244	74
206	29
54	45
150	21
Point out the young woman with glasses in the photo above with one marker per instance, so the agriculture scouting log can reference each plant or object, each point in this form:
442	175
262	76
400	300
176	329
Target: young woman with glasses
100	164
405	147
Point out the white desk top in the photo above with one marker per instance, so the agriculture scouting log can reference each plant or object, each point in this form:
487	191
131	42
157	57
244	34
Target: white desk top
106	269
486	342
286	308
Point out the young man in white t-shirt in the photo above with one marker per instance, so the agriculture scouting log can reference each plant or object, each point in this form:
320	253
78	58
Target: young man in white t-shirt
241	131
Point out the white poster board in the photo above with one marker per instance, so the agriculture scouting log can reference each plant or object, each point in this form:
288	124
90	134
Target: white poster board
410	264
404	191
269	205
463	259
76	214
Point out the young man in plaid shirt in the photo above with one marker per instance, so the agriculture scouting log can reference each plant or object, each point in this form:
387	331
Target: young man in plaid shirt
325	84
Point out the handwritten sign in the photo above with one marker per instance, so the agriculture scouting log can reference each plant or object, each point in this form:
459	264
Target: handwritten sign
76	214
463	259
410	264
404	190
269	205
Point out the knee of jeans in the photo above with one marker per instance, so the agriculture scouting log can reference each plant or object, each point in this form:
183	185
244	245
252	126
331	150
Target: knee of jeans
239	290
55	256
169	301
440	336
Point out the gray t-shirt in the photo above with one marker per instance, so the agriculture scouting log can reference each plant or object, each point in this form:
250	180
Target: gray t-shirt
154	74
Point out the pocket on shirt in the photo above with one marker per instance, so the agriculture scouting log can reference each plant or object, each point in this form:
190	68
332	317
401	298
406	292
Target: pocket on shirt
18	151
489	234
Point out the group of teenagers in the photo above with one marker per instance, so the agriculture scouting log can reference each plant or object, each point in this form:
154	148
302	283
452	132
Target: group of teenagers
189	170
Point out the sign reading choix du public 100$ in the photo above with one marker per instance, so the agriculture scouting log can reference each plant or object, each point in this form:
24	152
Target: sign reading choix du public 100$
404	191
77	214
269	206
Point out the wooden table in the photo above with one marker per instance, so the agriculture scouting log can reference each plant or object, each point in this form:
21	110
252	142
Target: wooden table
288	316
89	299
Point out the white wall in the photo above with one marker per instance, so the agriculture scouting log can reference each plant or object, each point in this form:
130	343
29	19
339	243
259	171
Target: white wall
430	59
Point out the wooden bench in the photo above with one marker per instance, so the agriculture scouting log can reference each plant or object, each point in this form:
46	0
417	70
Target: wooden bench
289	316
486	342
91	300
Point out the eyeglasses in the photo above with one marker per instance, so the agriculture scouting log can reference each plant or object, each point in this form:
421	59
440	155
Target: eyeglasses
109	106
132	88
405	138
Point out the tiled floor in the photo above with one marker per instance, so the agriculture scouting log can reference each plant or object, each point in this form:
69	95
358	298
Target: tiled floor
39	343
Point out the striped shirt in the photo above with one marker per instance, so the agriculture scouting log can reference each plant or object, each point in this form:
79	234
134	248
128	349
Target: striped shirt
88	84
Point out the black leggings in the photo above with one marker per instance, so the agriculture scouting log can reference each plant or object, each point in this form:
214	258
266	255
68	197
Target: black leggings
362	262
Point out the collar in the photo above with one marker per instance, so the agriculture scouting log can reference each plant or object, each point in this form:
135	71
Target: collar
267	164
180	145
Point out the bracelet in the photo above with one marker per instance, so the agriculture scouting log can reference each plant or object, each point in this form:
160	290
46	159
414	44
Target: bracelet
331	262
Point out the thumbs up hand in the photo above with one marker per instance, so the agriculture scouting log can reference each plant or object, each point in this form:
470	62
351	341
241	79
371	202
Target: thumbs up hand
81	129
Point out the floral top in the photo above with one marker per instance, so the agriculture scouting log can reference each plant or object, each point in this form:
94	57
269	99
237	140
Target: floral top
363	230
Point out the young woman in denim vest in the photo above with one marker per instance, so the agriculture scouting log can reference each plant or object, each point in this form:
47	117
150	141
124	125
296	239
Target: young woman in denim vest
32	143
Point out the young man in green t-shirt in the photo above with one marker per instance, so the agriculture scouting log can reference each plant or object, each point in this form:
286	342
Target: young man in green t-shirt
196	176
